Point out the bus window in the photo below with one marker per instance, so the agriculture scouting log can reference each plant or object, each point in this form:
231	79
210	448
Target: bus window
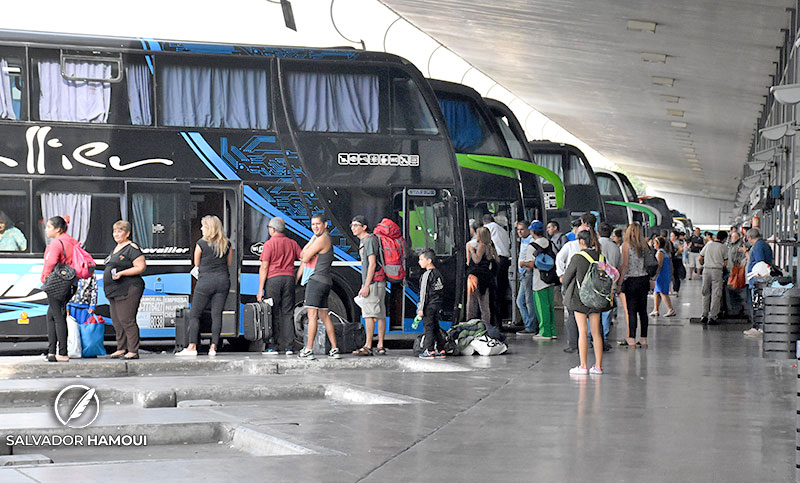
410	113
92	209
158	216
514	145
70	88
468	130
12	77
14	216
334	102
551	162
576	172
430	226
228	95
255	230
608	186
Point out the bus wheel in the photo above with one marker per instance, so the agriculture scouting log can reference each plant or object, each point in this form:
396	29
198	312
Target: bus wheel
335	305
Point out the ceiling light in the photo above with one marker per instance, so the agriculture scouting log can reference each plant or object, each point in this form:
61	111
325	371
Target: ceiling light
655	58
688	150
678	124
642	26
697	168
786	94
675	112
663	81
670	99
773	133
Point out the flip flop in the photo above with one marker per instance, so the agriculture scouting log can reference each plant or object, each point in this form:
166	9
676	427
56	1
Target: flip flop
624	344
364	351
381	351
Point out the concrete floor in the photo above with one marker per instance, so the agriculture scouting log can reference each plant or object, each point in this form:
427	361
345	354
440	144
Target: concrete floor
700	404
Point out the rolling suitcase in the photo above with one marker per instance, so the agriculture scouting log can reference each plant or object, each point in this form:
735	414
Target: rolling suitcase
257	320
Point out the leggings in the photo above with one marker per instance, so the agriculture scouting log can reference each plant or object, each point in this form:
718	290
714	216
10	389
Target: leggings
56	326
635	289
123	316
208	290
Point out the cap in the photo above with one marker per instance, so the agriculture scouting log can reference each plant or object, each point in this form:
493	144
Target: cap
536	225
360	219
576	222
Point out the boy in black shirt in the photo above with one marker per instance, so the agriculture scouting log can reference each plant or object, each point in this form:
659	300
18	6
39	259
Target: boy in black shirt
430	301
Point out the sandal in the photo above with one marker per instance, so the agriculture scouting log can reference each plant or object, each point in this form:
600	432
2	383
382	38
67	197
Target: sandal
381	351
117	354
671	314
624	344
364	351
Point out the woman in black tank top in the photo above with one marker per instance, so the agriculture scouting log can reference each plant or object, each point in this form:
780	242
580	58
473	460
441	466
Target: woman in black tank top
212	257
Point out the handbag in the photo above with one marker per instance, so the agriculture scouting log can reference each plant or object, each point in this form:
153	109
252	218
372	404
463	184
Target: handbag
737	277
58	284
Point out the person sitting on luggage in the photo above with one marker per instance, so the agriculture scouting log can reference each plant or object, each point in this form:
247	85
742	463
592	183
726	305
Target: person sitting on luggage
212	256
431	288
277	273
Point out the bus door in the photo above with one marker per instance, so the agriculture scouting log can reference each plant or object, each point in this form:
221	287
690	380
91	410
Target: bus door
221	202
429	219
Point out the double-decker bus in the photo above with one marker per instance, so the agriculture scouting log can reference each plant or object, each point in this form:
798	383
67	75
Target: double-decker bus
161	133
581	194
620	200
664	213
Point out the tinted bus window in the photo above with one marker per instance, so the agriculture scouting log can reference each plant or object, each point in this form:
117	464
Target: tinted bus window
14	216
12	78
431	226
410	113
255	230
514	145
551	162
576	172
468	131
222	96
90	211
334	102
82	87
608	186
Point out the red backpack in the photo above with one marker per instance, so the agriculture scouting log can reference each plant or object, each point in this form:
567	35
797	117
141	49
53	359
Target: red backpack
390	264
82	262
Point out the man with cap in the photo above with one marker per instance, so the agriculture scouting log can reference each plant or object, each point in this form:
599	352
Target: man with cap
587	221
525	296
576	227
542	291
278	273
373	288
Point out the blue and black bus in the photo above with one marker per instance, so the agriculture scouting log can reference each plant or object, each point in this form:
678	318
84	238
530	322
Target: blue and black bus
162	133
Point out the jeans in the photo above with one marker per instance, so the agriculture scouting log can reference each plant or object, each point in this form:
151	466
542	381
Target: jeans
281	290
208	290
526	304
571	328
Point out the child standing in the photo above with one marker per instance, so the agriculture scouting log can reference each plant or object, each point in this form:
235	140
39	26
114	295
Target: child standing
430	301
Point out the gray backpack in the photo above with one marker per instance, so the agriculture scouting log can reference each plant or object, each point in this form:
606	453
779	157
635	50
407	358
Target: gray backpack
596	289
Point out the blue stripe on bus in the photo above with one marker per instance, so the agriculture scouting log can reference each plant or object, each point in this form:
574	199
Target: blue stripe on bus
16	309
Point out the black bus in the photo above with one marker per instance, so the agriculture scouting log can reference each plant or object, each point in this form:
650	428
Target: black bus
162	133
665	219
581	194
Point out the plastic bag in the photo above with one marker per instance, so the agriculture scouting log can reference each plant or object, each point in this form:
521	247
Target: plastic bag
73	338
92	335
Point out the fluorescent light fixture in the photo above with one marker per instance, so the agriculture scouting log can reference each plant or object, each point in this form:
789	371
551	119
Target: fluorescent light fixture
697	168
678	124
654	58
675	112
642	26
766	154
663	81
773	133
12	69
786	94
688	150
670	99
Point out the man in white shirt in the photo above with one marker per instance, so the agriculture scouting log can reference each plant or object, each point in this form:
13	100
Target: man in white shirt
502	243
588	220
525	296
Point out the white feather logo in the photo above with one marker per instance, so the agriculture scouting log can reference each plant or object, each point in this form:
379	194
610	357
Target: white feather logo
81	406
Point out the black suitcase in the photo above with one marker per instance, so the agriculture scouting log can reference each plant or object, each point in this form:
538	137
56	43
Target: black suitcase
257	320
350	336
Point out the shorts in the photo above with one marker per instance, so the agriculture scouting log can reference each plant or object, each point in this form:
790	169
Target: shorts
694	260
317	294
374	304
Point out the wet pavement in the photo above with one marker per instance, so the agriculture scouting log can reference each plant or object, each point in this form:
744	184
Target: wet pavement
699	404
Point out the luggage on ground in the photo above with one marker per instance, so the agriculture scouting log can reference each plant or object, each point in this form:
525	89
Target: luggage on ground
73	338
257	320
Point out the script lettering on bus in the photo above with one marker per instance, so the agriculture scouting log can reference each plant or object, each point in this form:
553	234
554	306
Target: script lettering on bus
372	159
36	139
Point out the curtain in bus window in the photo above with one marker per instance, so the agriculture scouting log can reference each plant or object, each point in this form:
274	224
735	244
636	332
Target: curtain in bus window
6	101
137	77
76	206
577	174
334	102
551	162
463	124
142	205
77	101
214	97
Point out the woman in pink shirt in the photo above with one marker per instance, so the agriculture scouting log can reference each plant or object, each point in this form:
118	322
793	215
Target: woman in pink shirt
58	251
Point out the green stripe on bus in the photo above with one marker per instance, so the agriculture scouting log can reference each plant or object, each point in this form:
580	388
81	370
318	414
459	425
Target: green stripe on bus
529	167
638	207
466	161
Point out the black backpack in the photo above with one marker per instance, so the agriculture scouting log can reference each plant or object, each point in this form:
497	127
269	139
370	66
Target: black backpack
650	262
549	276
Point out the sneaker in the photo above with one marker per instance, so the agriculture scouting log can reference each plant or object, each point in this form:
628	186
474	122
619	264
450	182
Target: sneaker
554	337
704	320
334	353
186	353
526	332
578	370
606	346
596	370
270	352
753	332
441	354
426	354
307	354
541	337
289	352
212	353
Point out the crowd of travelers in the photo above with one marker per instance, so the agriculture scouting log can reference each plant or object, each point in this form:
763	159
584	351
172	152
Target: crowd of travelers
630	265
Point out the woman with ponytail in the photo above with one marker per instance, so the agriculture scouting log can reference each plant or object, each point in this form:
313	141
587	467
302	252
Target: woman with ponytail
59	251
212	257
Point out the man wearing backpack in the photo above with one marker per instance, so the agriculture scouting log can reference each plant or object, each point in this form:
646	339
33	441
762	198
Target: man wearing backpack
540	255
373	292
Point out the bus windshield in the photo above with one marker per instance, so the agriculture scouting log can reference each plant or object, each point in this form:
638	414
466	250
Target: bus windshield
469	132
